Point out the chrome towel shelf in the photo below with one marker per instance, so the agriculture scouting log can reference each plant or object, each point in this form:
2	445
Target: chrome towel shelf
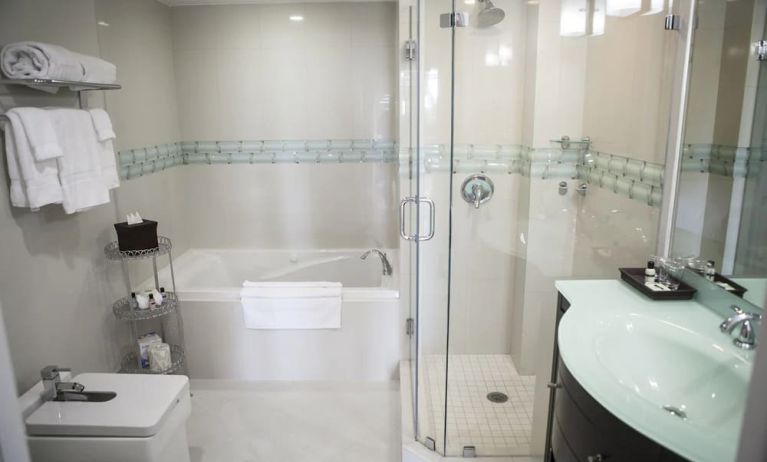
71	84
75	86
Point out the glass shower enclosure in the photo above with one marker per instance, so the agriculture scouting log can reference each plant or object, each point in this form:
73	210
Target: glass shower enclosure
518	122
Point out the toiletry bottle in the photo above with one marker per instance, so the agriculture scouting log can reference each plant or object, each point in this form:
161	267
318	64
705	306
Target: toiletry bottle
152	303
649	272
710	270
133	302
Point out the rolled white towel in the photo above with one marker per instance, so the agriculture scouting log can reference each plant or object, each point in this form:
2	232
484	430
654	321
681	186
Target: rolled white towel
36	60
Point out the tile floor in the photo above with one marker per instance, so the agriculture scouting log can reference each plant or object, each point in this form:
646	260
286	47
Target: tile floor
495	429
294	422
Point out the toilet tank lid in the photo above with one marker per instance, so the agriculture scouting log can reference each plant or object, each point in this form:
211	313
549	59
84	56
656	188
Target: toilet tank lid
142	404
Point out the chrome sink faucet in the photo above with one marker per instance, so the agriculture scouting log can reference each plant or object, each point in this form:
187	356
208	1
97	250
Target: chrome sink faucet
746	338
387	269
53	388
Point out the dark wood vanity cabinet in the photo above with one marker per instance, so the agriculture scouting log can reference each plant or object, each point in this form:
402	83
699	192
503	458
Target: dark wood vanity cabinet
582	430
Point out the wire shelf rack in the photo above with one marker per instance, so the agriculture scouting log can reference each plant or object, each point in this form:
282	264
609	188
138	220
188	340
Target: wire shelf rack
125	310
130	364
113	252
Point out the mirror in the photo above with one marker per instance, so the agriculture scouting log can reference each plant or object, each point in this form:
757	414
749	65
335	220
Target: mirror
721	210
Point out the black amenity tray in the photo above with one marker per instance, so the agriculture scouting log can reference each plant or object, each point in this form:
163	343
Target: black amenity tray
635	278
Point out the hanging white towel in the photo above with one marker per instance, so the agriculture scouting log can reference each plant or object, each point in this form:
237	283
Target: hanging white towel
80	168
33	183
40	133
291	305
27	60
105	134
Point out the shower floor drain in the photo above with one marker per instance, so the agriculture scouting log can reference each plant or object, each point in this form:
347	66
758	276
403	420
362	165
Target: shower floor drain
497	397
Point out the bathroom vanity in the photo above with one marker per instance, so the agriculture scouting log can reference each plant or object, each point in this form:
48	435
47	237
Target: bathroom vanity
639	380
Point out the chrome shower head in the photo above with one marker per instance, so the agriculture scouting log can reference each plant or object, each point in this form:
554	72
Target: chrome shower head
489	14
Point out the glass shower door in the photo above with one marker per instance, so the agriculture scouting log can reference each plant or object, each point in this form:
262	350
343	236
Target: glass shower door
428	207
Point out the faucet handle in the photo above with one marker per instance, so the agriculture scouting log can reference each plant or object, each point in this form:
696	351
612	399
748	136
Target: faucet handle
52	372
746	337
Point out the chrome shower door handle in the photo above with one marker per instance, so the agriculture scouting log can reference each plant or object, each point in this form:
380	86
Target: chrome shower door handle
429	203
402	215
402	208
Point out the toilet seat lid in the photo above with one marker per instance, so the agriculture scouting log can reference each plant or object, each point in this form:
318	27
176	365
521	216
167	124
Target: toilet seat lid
140	408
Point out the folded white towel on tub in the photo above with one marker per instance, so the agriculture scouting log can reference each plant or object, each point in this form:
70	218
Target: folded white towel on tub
291	305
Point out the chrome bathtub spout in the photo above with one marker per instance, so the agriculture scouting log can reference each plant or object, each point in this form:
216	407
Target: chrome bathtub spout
746	338
387	269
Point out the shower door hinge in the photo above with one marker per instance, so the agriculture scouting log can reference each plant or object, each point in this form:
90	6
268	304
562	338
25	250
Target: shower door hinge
409	326
760	49
457	19
672	22
410	50
430	443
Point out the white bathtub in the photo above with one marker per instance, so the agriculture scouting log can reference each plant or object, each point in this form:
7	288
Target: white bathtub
366	347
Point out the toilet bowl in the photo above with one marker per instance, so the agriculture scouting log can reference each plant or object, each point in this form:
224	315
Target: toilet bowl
144	422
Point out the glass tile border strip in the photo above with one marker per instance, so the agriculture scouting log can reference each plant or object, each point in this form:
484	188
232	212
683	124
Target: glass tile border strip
717	159
138	162
632	178
625	176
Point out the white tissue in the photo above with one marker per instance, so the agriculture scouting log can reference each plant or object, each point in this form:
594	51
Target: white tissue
134	218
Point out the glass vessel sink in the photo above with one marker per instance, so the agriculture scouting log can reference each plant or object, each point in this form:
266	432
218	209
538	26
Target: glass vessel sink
675	369
662	367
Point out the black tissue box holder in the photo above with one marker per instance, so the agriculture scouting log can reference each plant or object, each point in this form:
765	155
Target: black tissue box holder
141	236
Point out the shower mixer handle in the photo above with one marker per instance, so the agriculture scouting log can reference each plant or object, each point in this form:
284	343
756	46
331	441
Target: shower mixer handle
477	189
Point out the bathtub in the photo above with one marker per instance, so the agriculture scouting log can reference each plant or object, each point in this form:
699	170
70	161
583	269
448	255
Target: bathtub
367	347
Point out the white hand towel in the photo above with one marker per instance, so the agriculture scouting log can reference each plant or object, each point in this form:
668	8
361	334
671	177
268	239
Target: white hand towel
105	135
291	305
33	184
80	168
103	124
40	133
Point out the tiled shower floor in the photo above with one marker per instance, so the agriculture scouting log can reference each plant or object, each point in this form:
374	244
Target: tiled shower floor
495	429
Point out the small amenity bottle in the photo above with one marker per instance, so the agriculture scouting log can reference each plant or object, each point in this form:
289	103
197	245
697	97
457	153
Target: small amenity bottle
649	272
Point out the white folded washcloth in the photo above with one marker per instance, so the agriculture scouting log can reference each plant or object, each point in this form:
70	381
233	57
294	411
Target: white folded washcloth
40	133
103	124
29	60
105	134
33	183
80	168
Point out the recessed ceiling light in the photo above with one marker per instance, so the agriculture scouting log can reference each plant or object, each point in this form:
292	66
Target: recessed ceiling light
296	18
103	23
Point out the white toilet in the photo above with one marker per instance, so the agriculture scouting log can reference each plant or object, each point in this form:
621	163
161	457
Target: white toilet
144	422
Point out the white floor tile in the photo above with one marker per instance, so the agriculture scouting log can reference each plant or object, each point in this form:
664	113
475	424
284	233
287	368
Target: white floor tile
294	422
